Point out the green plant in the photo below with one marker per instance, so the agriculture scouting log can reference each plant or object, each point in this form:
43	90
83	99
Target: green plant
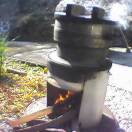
2	55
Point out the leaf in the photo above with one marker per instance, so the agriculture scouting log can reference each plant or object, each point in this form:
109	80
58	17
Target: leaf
21	90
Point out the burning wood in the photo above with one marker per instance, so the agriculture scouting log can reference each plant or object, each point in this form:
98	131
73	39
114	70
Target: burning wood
71	99
59	108
57	122
61	97
33	116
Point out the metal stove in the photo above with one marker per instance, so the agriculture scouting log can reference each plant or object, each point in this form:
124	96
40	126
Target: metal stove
79	64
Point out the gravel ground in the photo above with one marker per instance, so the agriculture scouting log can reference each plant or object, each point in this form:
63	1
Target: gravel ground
119	95
120	101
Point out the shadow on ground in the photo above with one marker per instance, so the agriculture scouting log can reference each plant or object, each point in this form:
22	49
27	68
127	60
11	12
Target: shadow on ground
121	58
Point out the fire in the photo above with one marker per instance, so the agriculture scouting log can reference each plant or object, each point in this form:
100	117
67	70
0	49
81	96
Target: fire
61	98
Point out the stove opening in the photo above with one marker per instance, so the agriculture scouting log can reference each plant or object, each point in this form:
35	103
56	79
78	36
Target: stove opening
57	95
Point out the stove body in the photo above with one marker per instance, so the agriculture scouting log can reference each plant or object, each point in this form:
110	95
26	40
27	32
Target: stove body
80	64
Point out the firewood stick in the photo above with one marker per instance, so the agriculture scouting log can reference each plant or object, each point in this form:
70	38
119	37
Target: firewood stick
17	122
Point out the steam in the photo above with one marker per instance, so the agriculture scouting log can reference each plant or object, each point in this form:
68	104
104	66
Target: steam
119	12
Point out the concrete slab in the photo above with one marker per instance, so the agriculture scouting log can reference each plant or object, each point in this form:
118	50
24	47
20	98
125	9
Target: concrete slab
121	57
121	71
37	57
121	77
15	47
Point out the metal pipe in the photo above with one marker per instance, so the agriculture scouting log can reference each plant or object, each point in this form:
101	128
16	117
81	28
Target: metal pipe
128	50
92	103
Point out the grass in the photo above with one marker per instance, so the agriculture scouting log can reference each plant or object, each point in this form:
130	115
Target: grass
2	55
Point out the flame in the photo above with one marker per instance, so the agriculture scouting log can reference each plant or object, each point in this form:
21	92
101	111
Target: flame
61	98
